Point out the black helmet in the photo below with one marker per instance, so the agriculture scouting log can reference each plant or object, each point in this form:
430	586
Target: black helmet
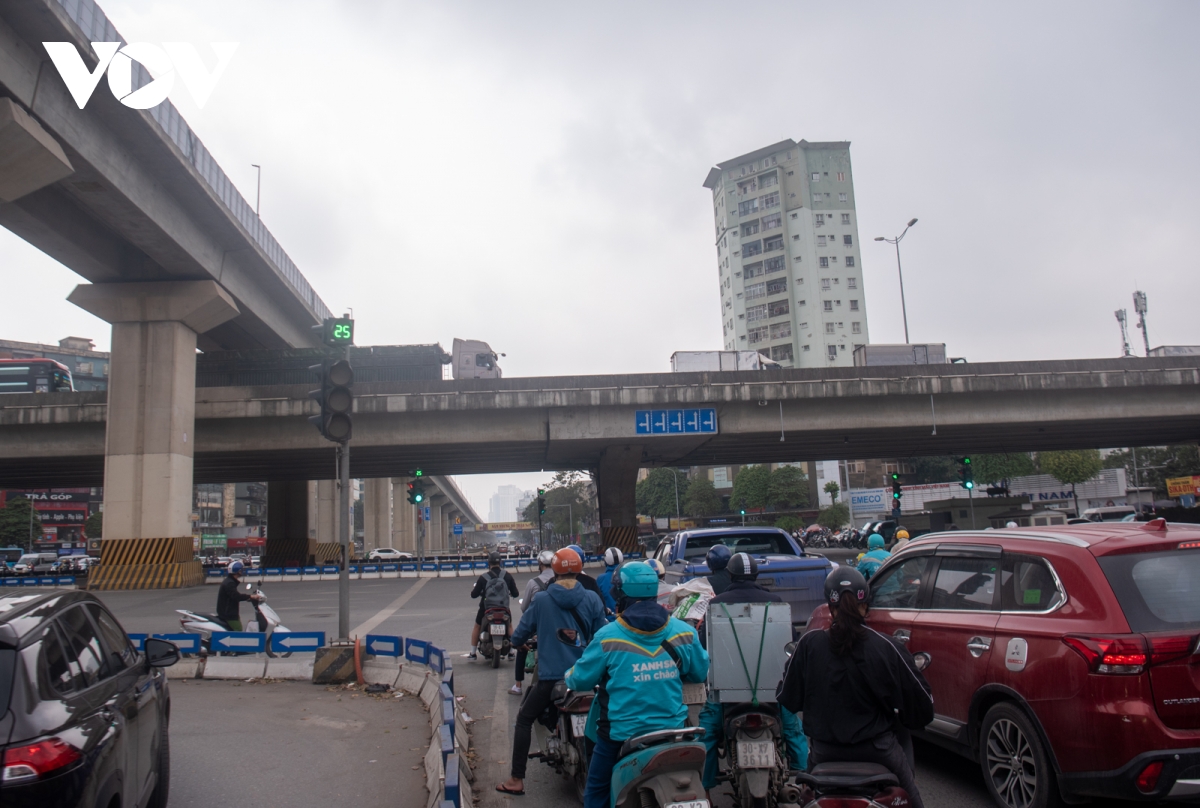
846	581
493	559
718	557
743	567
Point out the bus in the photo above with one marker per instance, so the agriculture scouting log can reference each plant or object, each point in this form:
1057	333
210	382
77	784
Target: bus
35	375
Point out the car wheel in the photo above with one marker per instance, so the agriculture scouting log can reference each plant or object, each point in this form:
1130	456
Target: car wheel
1016	768
162	788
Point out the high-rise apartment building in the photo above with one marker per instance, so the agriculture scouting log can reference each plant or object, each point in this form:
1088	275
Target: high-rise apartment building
788	253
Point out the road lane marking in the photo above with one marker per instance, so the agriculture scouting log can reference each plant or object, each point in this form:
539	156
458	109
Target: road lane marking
383	614
500	735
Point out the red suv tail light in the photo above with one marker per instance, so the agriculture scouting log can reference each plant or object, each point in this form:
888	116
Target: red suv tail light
1123	654
1147	781
23	764
1169	649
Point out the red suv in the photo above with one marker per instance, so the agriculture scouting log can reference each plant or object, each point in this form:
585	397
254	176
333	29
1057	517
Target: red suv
1066	661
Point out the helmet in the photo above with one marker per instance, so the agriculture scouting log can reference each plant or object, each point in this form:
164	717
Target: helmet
657	566
614	586
236	567
845	581
742	567
875	542
613	556
1010	524
900	533
493	559
638	580
578	550
718	557
546	558
567	562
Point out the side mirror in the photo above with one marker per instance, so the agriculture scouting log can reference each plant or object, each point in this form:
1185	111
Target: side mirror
160	653
922	660
568	636
790	648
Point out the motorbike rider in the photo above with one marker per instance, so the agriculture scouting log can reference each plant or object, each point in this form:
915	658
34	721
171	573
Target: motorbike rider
495	571
902	538
612	559
664	589
743	588
717	560
870	562
587	581
564	605
538	583
640	663
229	599
857	688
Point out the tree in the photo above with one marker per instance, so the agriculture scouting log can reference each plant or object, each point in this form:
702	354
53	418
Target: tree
1071	467
1156	465
655	495
15	521
935	469
701	498
94	525
751	488
788	488
833	489
835	516
1000	468
568	504
789	523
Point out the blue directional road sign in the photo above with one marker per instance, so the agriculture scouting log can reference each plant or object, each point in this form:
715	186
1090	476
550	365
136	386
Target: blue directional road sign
458	530
426	513
245	641
284	641
675	422
384	645
186	643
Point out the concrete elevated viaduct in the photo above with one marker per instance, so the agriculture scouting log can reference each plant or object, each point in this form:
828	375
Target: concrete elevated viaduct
592	422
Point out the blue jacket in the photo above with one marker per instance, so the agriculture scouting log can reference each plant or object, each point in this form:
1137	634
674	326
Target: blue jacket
870	563
546	614
605	584
641	686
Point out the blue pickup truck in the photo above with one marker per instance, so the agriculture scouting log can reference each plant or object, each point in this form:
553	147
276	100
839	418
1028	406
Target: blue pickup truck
782	566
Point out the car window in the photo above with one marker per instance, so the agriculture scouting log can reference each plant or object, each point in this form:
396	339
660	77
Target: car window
664	552
755	543
1027	585
1157	591
121	653
56	670
900	586
965	584
83	644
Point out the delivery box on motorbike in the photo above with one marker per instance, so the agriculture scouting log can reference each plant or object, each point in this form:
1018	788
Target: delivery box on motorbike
745	649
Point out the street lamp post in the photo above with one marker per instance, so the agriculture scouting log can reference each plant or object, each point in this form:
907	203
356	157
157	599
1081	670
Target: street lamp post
678	515
896	241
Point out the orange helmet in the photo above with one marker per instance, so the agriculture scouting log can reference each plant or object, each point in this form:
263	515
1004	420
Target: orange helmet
567	561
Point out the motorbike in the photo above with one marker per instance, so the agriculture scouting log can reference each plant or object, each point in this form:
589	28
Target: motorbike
265	620
845	785
494	634
565	748
756	752
660	769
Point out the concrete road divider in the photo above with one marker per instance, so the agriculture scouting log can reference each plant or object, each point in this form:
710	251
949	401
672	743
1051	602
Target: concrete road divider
297	668
187	668
310	574
408	570
428	569
389	571
272	575
292	574
235	667
381	671
334	665
283	642
447	569
237	641
369	571
333	572
214	576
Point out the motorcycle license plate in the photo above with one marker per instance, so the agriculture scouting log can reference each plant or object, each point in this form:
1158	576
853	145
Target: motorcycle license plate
497	629
756	754
688	804
578	723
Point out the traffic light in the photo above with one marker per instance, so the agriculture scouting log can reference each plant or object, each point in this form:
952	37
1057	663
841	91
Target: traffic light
336	332
895	490
966	473
416	492
541	501
336	399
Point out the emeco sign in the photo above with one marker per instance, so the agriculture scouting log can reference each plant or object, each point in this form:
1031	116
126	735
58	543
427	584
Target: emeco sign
173	58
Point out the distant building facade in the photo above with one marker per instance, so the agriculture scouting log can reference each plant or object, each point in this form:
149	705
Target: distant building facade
505	503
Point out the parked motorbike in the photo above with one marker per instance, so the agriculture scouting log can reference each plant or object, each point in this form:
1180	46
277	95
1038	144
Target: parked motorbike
265	620
660	769
565	748
756	752
495	634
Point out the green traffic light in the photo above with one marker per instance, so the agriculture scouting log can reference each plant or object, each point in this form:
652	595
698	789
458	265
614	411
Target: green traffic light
895	476
418	497
969	484
418	473
743	513
966	461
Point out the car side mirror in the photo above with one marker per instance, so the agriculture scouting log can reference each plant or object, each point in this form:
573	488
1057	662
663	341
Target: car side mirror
922	659
160	653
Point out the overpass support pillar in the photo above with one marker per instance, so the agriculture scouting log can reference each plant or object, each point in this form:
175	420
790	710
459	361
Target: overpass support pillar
435	530
377	520
616	480
287	524
325	519
151	431
404	517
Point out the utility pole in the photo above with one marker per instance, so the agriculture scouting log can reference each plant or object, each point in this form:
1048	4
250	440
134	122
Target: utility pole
344	531
258	190
900	273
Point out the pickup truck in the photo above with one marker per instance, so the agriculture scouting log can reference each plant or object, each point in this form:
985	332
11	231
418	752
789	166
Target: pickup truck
783	567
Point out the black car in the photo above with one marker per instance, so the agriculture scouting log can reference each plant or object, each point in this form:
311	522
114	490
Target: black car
85	715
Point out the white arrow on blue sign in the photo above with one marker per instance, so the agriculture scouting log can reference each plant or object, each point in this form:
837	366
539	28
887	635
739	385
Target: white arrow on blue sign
674	422
458	530
297	640
237	641
384	645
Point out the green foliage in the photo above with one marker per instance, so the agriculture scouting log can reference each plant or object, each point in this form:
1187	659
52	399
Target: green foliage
568	504
833	489
94	525
935	469
1175	461
998	468
14	523
701	498
655	495
788	488
835	516
1071	467
751	488
789	523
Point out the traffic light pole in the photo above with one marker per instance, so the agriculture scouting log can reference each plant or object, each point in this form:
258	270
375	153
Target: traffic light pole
971	499
344	525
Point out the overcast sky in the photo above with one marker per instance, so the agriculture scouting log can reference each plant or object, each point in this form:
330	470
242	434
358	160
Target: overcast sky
530	174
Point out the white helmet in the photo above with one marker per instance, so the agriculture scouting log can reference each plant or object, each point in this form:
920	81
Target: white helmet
546	558
613	557
1010	524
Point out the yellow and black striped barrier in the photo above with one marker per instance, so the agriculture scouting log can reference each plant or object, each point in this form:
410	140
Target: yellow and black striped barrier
623	537
146	564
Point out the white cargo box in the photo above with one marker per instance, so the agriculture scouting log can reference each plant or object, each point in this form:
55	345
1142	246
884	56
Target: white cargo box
728	677
711	361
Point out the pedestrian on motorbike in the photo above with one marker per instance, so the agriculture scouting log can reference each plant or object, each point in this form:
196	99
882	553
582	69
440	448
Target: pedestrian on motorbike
481	590
859	691
538	583
612	559
229	599
587	581
743	588
870	561
717	560
902	538
639	663
565	605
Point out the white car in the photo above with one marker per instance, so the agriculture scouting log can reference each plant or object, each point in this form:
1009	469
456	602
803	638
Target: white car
388	554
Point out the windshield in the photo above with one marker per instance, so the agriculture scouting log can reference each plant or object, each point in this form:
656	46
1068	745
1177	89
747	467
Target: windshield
755	543
1157	591
28	559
